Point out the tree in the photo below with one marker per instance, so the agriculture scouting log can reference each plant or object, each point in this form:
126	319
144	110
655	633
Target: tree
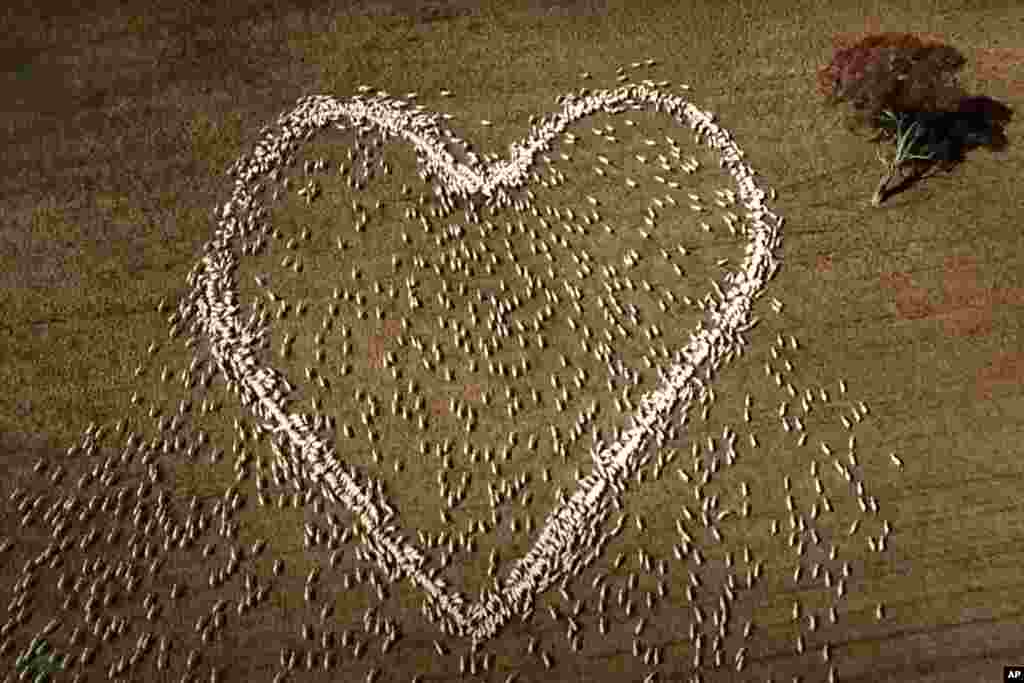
38	663
906	90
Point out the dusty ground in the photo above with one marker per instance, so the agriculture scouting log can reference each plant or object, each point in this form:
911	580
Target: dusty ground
118	127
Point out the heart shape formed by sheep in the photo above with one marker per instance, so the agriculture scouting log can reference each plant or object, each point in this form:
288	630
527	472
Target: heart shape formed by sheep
567	540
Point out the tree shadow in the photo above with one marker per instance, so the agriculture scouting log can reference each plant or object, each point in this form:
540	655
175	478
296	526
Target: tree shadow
947	136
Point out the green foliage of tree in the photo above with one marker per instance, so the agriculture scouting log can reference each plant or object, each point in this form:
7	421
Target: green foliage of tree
36	661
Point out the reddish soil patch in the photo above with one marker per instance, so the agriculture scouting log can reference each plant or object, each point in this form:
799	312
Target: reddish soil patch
1001	64
438	406
470	393
375	345
967	307
965	311
1004	369
911	302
